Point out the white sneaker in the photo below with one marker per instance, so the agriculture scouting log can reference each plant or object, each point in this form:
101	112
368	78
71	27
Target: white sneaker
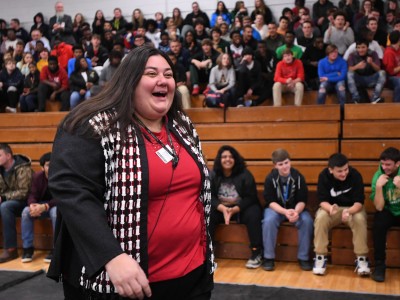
11	109
319	265
254	262
362	266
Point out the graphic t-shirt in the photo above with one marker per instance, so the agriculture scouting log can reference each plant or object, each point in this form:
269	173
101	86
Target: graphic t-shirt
227	193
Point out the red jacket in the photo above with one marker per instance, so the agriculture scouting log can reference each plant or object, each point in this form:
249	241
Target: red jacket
285	71
64	52
391	60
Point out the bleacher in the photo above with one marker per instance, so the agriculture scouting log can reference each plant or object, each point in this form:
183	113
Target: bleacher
310	133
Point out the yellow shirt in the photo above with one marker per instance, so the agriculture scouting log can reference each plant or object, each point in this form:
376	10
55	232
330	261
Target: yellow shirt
40	64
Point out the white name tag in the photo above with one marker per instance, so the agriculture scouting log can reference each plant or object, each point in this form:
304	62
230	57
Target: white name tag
164	155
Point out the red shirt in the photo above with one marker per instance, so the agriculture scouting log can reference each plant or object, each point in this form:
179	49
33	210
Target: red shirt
60	76
285	71
176	229
391	60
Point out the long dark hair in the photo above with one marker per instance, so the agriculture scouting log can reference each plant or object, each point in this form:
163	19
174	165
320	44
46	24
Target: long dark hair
119	92
238	167
224	10
78	67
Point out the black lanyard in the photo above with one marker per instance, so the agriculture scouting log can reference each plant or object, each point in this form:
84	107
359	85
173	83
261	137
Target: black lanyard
171	150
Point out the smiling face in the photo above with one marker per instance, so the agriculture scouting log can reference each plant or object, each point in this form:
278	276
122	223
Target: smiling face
154	94
283	167
340	173
227	161
362	49
389	166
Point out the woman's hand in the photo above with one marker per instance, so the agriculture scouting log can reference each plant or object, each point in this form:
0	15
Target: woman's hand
128	277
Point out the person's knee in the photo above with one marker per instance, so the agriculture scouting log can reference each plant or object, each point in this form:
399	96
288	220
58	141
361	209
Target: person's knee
270	220
53	212
306	220
321	219
25	213
360	218
277	86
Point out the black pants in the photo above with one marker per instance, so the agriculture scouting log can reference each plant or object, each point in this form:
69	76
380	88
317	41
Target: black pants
44	92
196	285
382	222
251	217
245	81
9	98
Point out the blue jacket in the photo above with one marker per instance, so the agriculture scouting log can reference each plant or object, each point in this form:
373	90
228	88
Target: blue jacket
226	17
71	65
335	72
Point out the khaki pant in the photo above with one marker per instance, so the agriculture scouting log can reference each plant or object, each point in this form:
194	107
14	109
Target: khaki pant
186	99
280	88
324	222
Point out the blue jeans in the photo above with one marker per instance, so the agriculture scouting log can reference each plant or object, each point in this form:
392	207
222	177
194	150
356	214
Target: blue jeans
355	81
28	103
270	226
328	87
27	224
77	98
395	82
10	210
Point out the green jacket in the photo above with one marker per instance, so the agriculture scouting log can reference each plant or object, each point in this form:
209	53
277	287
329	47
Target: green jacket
391	193
17	184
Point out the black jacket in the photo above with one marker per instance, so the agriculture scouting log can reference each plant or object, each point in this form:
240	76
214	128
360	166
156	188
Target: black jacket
15	79
77	82
273	190
342	193
102	54
245	186
65	35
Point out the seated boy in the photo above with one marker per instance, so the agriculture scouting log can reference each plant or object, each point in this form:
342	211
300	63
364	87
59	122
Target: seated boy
285	192
289	77
341	195
386	197
40	205
365	72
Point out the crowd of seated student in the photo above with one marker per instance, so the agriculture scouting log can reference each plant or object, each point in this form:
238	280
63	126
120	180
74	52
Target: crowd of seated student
347	26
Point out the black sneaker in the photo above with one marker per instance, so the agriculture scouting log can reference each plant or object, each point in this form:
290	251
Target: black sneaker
305	265
49	257
255	260
379	273
27	255
268	264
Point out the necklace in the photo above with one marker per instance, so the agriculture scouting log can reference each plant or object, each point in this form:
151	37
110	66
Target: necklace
169	148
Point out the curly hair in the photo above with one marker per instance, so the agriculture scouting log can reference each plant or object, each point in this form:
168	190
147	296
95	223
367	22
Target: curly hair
239	165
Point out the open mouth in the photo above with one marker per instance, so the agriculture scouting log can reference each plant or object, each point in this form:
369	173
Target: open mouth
160	94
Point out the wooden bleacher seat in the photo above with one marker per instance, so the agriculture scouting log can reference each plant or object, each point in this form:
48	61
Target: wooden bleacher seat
311	133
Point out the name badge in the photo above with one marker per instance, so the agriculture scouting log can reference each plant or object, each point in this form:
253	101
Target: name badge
164	155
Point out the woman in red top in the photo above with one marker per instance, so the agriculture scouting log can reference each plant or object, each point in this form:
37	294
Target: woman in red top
134	191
